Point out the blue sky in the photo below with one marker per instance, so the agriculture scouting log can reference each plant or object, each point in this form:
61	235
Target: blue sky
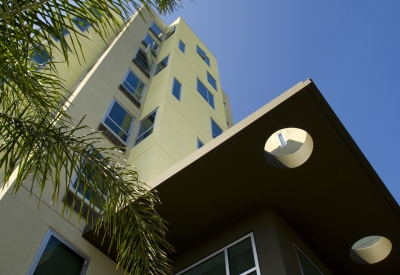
351	50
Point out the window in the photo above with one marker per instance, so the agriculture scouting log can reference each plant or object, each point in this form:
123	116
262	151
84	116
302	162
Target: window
171	32
56	256
149	41
237	258
133	85
146	127
203	56
81	24
199	143
162	65
141	61
156	30
212	81
95	12
215	129
40	55
205	93
176	89
306	265
119	121
281	138
63	33
182	46
99	195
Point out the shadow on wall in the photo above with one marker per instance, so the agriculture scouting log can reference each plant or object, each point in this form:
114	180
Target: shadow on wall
291	147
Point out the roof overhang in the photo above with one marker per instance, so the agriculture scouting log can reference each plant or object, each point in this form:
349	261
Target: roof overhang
334	199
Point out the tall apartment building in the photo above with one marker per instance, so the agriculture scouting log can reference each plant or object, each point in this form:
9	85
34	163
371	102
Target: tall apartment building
285	191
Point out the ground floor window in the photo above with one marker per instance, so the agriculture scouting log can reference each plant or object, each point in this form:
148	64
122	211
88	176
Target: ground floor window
56	256
306	265
238	258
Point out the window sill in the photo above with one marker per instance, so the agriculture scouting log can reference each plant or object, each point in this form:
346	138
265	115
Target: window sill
111	137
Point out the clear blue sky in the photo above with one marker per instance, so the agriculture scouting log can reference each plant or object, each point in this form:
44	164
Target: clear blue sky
351	50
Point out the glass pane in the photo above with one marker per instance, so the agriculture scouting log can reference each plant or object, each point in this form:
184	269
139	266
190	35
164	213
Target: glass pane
40	57
149	41
212	81
216	131
207	60
57	258
120	117
156	30
202	90
199	144
147	123
211	99
201	52
81	24
182	46
133	84
162	64
306	266
241	257
176	89
213	266
171	32
116	129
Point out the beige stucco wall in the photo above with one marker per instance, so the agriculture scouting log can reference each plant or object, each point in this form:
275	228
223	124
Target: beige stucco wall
273	239
177	127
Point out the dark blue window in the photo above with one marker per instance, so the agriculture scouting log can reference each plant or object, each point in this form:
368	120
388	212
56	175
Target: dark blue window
215	129
176	89
162	65
199	144
205	93
212	81
64	33
81	24
133	84
119	121
181	46
40	56
156	30
149	41
203	55
146	127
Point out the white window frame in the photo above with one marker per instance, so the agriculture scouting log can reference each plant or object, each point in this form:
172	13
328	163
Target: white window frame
297	248
130	127
225	250
140	124
43	245
81	196
209	94
144	88
279	141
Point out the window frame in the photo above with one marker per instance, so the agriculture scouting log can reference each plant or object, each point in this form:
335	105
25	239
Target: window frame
81	28
159	36
199	141
157	70
297	248
144	85
50	232
180	88
80	195
208	79
170	33
225	251
205	57
212	120
208	94
130	127
140	124
155	51
144	70
184	46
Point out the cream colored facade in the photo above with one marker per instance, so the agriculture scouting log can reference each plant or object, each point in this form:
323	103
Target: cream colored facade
94	85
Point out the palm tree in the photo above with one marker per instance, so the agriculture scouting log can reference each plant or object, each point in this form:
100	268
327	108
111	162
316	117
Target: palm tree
41	144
